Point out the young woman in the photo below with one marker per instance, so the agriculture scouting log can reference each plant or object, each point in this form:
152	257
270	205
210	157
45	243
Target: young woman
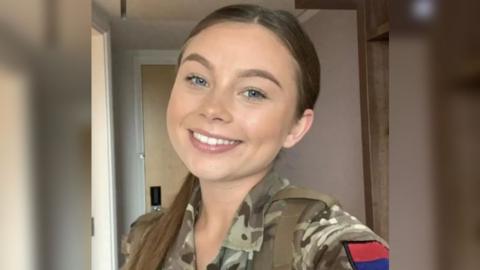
245	88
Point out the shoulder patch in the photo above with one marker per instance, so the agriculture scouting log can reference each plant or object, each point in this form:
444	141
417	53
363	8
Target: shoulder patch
367	255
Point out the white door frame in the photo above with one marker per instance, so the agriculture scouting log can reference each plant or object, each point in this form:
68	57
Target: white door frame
111	219
145	57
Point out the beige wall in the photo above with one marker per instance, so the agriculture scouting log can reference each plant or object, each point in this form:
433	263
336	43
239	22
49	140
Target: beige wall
329	158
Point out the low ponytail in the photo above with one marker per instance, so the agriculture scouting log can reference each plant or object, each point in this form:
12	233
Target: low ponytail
150	253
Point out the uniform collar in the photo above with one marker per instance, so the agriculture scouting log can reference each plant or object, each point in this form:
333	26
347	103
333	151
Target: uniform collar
246	231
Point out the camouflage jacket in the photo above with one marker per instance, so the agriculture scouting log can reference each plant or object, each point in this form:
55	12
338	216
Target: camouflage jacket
324	237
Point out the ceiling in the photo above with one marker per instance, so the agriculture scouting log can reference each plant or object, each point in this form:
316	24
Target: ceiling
182	9
164	24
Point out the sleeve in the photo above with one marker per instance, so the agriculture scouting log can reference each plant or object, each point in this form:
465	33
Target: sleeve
336	240
355	255
138	229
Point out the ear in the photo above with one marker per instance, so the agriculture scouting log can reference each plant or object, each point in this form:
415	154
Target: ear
299	129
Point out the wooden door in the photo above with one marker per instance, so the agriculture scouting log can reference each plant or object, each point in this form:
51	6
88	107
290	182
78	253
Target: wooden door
162	165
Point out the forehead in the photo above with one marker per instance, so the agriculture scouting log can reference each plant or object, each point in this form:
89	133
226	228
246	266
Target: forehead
247	45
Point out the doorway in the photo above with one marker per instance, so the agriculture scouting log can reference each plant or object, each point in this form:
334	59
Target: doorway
163	168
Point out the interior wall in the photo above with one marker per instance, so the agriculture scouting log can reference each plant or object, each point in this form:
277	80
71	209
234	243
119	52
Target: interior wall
62	147
329	158
16	170
128	166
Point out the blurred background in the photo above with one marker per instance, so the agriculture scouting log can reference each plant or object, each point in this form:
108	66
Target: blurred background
84	87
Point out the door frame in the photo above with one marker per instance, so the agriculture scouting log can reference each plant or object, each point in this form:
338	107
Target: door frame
140	58
99	24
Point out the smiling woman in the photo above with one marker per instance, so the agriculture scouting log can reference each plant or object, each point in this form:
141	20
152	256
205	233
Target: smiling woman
246	84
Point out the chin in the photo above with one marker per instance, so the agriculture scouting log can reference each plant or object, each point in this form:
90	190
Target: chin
208	174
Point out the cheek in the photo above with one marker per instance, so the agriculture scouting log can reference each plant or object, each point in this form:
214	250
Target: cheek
170	111
174	112
267	126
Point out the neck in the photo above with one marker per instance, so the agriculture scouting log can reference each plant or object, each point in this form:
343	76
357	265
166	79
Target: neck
221	199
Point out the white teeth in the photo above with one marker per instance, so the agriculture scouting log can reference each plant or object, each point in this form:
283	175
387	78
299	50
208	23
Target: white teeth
211	141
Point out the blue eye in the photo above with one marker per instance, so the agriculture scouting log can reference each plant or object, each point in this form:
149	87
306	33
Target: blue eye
197	80
254	94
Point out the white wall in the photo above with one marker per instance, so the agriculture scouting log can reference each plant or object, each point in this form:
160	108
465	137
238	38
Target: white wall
329	158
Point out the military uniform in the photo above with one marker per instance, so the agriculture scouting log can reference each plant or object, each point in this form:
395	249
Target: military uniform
324	236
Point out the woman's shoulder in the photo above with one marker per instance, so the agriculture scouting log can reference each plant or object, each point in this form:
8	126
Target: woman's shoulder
328	237
138	229
147	219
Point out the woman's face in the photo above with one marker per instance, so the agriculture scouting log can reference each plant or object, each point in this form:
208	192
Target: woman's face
233	102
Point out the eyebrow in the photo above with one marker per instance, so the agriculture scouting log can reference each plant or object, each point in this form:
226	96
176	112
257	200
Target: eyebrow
259	73
198	58
242	74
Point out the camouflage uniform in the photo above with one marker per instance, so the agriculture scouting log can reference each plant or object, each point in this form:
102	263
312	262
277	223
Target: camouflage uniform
318	241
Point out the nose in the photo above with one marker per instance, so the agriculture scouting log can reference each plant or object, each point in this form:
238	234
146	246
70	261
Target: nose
215	108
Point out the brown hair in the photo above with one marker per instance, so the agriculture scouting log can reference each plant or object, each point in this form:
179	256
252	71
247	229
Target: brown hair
151	252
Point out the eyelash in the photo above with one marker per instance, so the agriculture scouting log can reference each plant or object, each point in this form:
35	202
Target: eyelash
192	78
257	91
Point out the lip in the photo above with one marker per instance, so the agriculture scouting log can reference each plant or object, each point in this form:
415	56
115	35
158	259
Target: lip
211	149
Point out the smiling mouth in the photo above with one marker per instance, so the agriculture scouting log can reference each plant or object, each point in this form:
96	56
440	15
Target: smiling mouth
212	144
213	140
